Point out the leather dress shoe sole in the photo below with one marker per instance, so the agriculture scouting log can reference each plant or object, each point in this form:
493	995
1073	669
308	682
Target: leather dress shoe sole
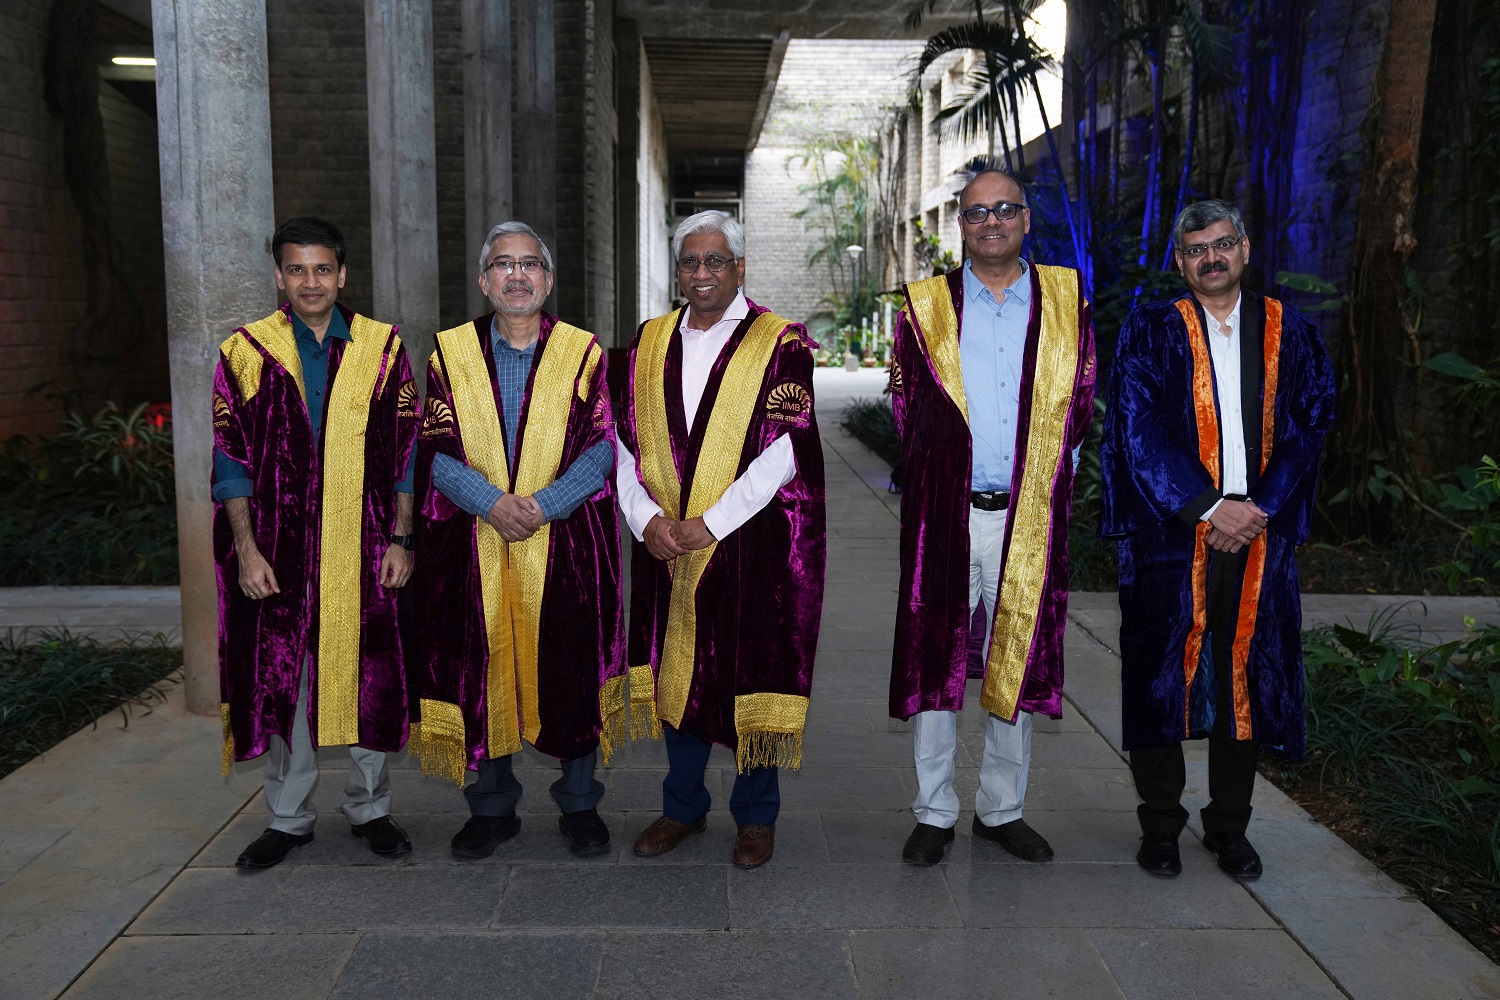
656	852
499	834
1159	856
926	844
747	853
269	850
1236	857
387	840
587	835
1017	838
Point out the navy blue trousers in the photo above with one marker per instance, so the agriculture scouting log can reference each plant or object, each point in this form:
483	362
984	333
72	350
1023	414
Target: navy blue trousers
755	801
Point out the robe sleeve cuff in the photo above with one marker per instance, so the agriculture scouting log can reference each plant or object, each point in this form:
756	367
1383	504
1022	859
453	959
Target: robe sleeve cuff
1198	507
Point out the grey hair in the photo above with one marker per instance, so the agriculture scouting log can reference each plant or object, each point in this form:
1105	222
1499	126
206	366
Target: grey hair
992	170
513	228
711	221
1201	214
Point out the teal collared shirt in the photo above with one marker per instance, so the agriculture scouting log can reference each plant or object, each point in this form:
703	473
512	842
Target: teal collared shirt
231	479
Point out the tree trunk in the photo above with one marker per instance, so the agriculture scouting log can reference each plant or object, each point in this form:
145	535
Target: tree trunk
1377	348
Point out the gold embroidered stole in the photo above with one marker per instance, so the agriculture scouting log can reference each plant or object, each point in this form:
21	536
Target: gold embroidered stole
1018	603
718	463
1205	409
512	575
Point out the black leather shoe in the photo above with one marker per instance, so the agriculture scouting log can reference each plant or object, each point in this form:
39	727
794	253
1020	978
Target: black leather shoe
269	850
1159	855
482	834
1236	856
384	836
1017	838
585	831
926	843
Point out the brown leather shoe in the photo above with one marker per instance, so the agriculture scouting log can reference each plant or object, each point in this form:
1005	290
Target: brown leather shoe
754	846
664	834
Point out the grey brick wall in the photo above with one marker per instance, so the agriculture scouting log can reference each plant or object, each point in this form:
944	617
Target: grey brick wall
826	89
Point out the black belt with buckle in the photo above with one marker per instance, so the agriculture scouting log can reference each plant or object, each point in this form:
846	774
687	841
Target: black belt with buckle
990	500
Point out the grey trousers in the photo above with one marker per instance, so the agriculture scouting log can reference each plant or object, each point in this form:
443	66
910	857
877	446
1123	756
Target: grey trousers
292	775
497	792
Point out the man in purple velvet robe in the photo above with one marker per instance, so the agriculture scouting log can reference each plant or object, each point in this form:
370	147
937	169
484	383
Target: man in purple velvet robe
993	393
521	620
315	416
1219	404
720	478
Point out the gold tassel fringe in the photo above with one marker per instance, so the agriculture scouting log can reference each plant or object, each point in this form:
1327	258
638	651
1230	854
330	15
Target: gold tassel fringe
227	755
439	755
769	749
643	721
611	716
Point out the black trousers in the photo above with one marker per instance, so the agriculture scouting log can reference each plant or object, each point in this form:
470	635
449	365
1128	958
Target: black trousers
1160	772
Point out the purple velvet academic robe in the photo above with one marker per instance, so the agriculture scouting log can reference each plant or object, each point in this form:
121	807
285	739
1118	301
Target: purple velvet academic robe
760	600
581	630
1162	424
933	616
260	421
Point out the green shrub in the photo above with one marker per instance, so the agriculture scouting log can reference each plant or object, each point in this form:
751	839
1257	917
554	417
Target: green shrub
92	504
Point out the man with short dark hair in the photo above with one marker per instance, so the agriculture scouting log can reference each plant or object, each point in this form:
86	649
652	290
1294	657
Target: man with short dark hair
315	416
721	481
992	388
521	624
1220	400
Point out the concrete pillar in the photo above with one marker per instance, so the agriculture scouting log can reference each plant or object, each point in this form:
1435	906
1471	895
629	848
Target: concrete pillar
487	147
403	170
534	185
627	183
214	135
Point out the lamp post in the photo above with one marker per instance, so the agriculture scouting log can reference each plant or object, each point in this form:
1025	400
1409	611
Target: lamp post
851	360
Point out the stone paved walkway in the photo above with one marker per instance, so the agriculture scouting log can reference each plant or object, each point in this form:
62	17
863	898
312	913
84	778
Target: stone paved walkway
116	853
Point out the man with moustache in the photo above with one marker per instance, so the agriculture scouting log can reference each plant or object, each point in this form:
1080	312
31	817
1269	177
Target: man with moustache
992	389
1220	400
521	626
315	414
720	478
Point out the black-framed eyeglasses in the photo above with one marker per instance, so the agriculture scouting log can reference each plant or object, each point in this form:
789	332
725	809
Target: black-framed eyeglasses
1223	246
527	265
714	263
1005	211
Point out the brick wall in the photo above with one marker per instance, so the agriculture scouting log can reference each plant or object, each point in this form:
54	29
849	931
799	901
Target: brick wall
826	88
41	272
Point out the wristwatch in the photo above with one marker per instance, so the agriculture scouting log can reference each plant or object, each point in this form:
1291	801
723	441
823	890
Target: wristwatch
407	542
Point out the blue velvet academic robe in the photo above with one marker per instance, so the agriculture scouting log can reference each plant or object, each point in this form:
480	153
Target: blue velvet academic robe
1162	468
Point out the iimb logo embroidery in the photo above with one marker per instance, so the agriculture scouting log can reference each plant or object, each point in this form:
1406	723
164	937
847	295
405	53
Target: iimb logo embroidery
788	403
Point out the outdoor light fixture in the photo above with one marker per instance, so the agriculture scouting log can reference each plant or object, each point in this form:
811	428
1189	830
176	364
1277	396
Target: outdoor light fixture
134	60
854	250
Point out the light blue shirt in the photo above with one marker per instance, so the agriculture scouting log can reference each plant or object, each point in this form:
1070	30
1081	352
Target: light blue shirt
474	494
991	348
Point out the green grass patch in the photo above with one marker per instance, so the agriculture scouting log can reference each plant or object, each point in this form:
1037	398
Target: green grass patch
57	683
1404	762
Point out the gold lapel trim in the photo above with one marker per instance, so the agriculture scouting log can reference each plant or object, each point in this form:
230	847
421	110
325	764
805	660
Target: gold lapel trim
1019	602
658	471
937	332
275	335
339	585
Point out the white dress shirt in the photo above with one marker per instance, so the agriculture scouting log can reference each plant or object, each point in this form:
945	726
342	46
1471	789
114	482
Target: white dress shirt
1224	352
748	495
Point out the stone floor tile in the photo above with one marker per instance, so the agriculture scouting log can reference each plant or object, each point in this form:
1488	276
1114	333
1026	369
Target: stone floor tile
876	837
799	840
848	787
19	845
214	901
738	965
539	842
687	896
485	965
840	896
1073	750
1389	949
1157	964
1081	835
963	963
1304	858
1103	788
1070	894
224	967
41	954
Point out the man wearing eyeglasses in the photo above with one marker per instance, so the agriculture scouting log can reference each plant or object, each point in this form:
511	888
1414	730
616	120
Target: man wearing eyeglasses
993	391
315	419
521	629
1219	403
720	478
